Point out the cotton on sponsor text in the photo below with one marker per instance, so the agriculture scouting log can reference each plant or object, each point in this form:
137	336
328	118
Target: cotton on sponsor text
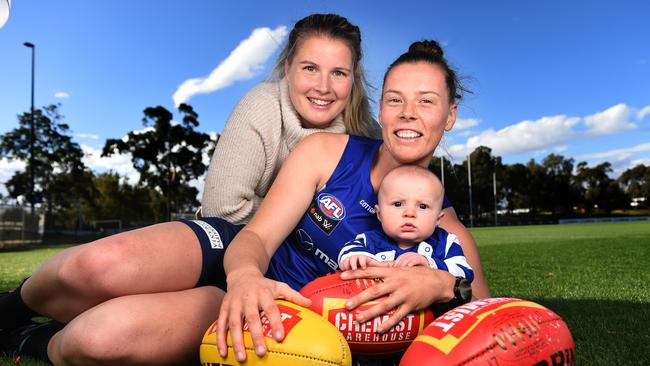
367	206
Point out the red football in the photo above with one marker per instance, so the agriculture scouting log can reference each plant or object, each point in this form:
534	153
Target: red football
328	295
498	331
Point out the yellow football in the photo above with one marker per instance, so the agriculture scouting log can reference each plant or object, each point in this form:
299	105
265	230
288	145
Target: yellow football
309	340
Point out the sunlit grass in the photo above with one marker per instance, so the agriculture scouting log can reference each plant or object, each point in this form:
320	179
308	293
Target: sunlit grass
594	276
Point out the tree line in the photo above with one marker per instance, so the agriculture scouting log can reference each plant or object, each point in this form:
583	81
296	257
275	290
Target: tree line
557	187
169	155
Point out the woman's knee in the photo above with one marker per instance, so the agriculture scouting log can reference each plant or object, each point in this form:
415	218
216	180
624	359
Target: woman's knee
101	267
96	342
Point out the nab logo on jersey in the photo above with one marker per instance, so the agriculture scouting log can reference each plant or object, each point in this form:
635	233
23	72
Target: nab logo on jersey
331	206
326	211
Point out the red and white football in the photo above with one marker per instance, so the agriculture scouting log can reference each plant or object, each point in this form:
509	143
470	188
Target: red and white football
329	294
497	331
309	341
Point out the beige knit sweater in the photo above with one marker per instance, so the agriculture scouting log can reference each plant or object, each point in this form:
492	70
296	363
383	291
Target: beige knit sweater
259	135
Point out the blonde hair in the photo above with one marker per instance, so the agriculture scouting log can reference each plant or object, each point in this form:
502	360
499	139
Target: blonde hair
357	117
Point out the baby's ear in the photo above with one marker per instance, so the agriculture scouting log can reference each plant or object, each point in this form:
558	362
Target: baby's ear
377	212
442	213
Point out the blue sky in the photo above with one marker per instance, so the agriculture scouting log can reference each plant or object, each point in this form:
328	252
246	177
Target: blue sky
567	77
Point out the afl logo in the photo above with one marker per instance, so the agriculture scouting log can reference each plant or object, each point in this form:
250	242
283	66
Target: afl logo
331	207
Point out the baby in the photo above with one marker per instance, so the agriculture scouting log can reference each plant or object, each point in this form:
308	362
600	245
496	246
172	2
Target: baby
409	208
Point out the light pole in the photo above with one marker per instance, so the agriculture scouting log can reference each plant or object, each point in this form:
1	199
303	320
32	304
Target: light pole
469	182
31	134
494	184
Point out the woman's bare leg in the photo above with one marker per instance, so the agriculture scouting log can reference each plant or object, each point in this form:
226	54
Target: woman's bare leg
150	329
159	258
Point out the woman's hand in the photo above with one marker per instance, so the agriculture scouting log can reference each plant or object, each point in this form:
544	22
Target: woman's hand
247	295
408	289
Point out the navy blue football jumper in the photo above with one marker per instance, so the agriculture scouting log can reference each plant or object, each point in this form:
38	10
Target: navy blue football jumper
340	210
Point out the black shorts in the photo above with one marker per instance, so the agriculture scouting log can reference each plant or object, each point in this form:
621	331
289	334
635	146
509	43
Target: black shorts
214	235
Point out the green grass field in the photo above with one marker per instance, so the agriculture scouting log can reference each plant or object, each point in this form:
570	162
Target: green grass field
593	275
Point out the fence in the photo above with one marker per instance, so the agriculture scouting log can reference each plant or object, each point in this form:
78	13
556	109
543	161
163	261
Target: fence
18	227
604	219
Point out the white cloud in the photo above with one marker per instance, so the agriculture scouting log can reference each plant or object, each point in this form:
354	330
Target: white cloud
525	136
644	112
6	164
540	153
243	63
125	138
551	133
89	136
620	159
8	167
118	163
61	95
7	170
456	152
635	162
5	6
617	154
462	124
560	148
612	120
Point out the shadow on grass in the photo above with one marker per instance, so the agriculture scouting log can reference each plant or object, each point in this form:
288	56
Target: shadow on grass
606	332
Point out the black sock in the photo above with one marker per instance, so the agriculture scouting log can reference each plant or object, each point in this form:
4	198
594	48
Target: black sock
34	341
13	311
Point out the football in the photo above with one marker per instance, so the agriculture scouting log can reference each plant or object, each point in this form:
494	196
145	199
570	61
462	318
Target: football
329	294
309	341
498	331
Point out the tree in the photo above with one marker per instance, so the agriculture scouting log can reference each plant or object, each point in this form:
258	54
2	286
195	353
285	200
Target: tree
455	185
559	193
483	168
55	157
537	183
636	182
449	178
69	191
114	198
515	186
600	192
167	156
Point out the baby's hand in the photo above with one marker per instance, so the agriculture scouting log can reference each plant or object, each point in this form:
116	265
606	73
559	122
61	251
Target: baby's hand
358	261
410	259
